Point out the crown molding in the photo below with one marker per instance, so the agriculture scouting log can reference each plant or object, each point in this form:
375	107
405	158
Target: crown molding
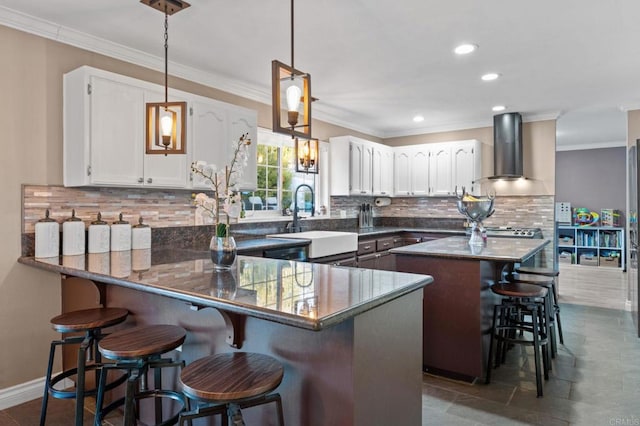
594	145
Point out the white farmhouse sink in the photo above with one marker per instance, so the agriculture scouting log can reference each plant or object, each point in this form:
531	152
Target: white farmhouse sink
325	243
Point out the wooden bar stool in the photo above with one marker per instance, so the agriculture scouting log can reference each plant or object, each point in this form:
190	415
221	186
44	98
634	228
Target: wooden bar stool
90	322
552	305
553	274
225	383
136	350
520	300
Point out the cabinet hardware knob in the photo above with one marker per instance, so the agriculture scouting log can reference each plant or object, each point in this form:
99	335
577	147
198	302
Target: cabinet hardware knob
140	180
149	180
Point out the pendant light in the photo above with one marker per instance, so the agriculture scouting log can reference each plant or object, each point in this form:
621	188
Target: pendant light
307	155
291	91
166	121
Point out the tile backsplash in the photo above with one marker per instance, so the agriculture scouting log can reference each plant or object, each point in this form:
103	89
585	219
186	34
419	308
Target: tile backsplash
173	208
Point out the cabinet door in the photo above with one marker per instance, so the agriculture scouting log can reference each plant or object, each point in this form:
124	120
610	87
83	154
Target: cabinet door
466	165
386	261
368	261
402	168
117	133
382	171
440	181
361	162
165	171
244	121
208	136
420	171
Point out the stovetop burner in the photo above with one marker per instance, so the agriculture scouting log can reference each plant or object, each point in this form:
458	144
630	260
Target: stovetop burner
512	232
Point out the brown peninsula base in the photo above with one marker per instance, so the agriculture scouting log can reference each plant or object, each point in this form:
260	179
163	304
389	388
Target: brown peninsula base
458	307
362	371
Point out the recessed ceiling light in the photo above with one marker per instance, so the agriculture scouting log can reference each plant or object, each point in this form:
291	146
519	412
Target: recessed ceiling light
499	108
465	49
418	118
490	76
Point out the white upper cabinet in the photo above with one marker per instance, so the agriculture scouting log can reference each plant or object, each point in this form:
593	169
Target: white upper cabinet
361	162
104	133
209	124
411	167
243	121
440	176
382	170
467	165
116	134
437	169
351	166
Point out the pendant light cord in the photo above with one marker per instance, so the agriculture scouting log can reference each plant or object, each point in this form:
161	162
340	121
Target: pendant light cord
292	65
166	54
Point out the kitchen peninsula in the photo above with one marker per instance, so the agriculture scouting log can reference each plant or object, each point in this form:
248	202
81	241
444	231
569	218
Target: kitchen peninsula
347	337
459	305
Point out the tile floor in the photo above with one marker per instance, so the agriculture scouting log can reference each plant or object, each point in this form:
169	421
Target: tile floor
595	378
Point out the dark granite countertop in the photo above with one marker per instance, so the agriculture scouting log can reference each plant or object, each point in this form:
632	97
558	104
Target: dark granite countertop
383	230
457	247
305	295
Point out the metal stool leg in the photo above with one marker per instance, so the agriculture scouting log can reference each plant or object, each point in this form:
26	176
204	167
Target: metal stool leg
47	382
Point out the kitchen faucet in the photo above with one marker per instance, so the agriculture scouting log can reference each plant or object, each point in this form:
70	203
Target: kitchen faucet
295	227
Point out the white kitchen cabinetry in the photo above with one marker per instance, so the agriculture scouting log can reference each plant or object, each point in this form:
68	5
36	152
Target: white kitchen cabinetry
216	128
467	165
104	139
352	161
440	171
243	121
411	168
382	170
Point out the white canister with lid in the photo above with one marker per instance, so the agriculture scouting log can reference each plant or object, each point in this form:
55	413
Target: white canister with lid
141	236
47	237
73	236
120	235
99	236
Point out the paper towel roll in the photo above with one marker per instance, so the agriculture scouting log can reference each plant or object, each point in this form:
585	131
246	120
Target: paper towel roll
383	201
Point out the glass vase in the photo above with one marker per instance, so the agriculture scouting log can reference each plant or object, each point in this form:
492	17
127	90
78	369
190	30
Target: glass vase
223	252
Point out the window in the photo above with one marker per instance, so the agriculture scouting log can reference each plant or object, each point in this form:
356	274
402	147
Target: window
278	180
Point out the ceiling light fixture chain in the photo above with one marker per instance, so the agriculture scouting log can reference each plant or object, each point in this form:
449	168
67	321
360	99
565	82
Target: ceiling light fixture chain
166	55
292	63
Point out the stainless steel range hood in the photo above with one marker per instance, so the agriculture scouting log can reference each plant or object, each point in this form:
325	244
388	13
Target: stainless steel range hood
507	146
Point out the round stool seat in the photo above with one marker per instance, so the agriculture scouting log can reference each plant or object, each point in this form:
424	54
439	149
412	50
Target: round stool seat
533	279
231	376
547	272
142	341
88	319
519	290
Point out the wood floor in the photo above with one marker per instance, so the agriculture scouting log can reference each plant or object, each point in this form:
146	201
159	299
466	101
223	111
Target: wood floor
593	286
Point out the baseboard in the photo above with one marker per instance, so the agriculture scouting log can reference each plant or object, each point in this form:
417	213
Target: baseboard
25	392
627	305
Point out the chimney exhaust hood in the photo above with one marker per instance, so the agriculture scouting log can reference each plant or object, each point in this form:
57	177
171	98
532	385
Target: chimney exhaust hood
507	146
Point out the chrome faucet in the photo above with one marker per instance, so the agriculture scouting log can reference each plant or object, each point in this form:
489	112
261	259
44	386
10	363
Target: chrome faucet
295	227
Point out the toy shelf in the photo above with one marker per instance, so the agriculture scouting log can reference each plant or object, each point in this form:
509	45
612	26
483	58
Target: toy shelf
591	246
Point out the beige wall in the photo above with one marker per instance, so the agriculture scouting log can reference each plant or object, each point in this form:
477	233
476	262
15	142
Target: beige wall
633	126
31	120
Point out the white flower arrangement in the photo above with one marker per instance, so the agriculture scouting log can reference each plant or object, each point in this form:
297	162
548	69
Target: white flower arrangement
223	183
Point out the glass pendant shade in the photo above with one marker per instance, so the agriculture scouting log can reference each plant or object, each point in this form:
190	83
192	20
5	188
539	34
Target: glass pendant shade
307	156
291	87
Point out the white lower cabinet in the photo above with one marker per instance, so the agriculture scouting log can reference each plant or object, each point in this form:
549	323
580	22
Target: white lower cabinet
104	133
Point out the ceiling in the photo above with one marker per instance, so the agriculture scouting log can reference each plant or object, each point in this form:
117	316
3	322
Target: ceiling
377	63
